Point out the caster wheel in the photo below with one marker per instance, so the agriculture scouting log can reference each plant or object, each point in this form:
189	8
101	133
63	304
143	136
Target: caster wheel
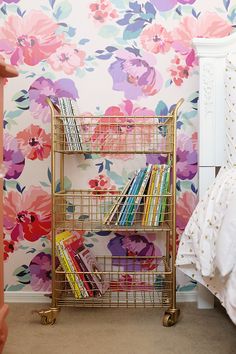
168	320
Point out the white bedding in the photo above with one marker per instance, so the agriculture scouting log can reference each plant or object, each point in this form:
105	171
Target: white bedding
207	250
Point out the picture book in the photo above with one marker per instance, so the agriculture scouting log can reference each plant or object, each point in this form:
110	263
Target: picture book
148	199
94	270
69	244
66	264
118	202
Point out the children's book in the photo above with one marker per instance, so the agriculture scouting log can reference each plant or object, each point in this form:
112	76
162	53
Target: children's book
149	195
118	202
156	196
118	221
66	264
69	245
163	198
139	197
90	263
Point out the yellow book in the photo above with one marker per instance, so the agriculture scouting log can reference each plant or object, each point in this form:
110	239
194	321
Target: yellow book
156	193
148	199
66	265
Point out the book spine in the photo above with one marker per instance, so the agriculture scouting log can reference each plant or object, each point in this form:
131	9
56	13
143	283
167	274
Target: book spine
148	198
71	121
76	126
125	216
70	277
85	290
108	218
66	124
156	196
165	191
132	203
126	198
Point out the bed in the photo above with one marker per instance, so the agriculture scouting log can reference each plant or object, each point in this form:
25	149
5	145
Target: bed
207	250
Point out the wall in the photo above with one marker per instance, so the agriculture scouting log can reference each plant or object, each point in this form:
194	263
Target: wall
115	57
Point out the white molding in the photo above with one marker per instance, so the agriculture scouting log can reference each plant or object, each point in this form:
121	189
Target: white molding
39	297
26	297
215	47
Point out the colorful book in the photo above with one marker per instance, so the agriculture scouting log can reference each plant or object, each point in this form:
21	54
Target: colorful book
130	201
118	202
69	245
126	198
139	197
90	263
163	198
156	196
149	195
66	265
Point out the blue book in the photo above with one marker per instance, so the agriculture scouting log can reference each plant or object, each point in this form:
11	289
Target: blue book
126	198
133	190
131	206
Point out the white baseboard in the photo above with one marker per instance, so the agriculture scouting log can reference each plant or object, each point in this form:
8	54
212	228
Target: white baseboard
39	297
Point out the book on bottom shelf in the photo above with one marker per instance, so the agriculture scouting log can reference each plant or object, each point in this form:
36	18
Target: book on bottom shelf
82	270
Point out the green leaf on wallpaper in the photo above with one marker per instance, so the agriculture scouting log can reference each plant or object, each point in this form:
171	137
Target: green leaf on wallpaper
120	4
62	10
115	177
108	31
10	184
22	99
67	183
13	114
94	239
15	287
44	184
131	34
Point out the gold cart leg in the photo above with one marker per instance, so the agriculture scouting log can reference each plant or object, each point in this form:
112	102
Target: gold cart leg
48	316
170	317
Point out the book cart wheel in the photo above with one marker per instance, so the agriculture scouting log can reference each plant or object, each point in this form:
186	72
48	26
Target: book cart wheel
170	317
48	316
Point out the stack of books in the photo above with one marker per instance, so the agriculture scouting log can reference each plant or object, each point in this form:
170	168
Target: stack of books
71	125
80	266
143	198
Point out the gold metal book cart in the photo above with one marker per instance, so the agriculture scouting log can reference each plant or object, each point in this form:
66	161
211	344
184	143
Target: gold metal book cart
129	281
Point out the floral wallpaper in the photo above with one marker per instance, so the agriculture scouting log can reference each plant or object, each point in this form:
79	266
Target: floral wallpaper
117	57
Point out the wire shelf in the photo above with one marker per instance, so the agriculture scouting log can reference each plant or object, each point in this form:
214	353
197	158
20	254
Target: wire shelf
88	210
130	282
113	135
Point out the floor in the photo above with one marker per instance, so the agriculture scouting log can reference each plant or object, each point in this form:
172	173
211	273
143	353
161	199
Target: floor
115	331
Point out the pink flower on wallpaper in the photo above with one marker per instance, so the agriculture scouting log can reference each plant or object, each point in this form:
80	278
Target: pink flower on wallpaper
209	24
156	39
27	215
29	39
67	58
165	5
185	207
101	184
103	11
13	158
124	133
179	70
186	167
134	74
34	143
40	269
42	88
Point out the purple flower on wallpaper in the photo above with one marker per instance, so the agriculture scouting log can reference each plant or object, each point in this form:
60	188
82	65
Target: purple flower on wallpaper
42	88
186	167
13	159
165	5
133	245
40	271
134	74
8	1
